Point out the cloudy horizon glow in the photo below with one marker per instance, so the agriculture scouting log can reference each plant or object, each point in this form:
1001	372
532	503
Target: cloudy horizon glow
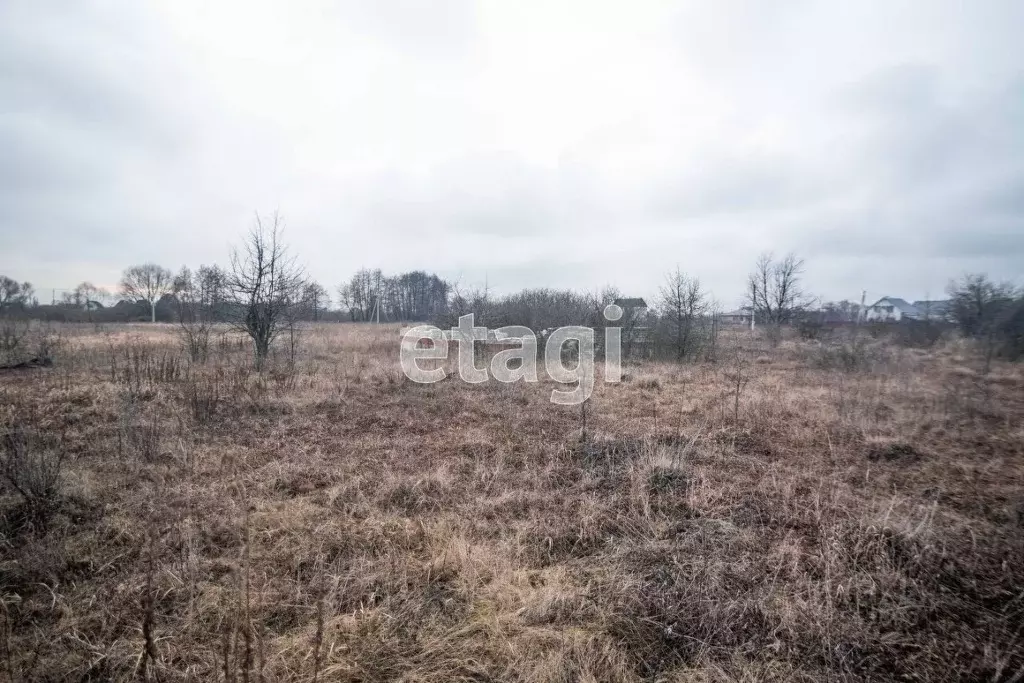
561	144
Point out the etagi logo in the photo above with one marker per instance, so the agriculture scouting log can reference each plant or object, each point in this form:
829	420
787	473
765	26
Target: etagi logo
524	369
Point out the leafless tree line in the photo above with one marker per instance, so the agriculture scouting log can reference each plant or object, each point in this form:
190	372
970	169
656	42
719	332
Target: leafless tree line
266	293
372	296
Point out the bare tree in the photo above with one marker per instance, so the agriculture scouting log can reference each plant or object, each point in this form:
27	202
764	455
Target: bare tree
14	327
840	311
199	297
14	294
264	282
315	299
83	296
683	304
466	300
346	300
362	294
985	310
148	282
773	289
86	292
597	301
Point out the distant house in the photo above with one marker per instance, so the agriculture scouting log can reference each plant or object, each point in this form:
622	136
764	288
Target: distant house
741	316
634	311
635	332
890	309
631	304
893	308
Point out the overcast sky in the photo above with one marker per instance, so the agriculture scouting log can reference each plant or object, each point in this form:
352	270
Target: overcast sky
562	144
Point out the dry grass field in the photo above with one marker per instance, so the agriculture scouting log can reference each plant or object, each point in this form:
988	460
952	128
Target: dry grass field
773	516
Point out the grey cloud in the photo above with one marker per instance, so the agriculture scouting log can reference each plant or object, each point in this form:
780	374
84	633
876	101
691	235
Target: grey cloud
96	125
935	179
737	183
117	148
496	195
1006	197
916	139
90	73
912	174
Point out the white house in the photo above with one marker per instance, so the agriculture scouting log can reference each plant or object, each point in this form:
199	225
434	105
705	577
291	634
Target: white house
891	308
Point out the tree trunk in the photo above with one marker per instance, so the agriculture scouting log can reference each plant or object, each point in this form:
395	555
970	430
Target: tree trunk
152	310
262	349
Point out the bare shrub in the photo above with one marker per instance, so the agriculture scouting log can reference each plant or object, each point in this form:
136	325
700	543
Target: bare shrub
23	341
13	331
991	313
139	369
47	344
846	357
203	396
200	300
811	330
137	436
918	334
32	465
737	380
854	356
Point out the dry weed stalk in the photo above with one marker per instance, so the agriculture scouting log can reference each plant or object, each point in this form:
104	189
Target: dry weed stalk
149	654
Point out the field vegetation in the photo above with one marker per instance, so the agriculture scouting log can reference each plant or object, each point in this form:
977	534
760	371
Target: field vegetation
803	509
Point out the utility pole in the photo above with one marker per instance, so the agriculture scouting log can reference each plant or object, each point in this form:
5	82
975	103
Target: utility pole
860	313
753	308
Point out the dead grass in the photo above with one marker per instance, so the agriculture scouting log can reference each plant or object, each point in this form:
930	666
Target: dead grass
336	522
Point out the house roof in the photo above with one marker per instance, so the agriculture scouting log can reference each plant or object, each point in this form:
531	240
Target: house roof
634	302
902	305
